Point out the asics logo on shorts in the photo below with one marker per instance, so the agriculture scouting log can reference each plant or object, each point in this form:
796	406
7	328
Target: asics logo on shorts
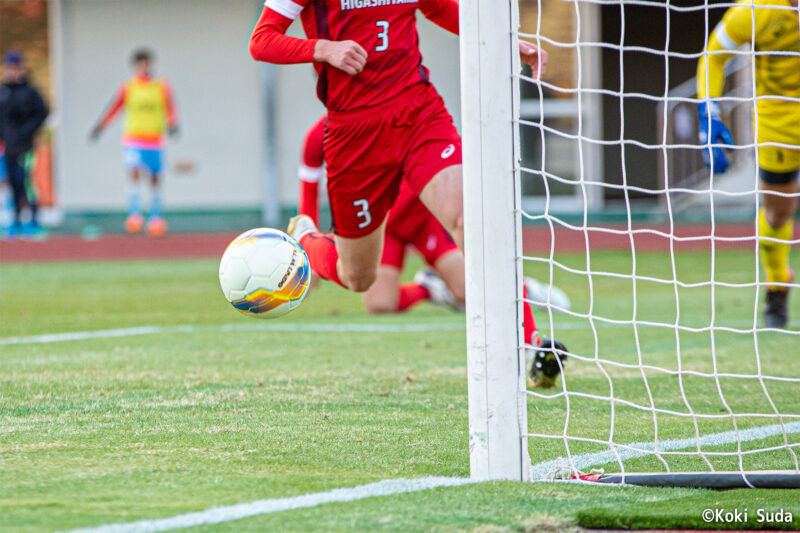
450	150
431	244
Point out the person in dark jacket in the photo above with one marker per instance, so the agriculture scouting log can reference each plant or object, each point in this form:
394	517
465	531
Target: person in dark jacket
22	113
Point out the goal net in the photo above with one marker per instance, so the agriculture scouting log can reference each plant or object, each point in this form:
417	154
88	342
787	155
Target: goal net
592	180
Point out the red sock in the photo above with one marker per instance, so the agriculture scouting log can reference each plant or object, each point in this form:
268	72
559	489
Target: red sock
528	322
410	294
323	255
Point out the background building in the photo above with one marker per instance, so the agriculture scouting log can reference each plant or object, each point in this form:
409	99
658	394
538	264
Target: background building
234	163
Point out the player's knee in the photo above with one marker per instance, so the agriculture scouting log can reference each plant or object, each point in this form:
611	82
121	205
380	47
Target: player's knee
454	223
379	307
777	216
360	281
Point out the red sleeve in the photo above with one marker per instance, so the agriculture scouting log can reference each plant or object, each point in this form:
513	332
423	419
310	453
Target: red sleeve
311	170
443	13
269	42
313	155
172	111
309	200
113	108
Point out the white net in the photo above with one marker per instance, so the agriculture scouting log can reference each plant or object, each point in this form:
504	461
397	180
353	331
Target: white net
671	367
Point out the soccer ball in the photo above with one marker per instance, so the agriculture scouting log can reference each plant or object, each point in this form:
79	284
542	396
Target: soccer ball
264	273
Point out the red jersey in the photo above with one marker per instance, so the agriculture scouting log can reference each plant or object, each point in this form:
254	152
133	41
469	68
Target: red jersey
386	29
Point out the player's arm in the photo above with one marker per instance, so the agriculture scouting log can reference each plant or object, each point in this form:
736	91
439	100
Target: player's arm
112	110
310	171
269	42
733	31
171	108
444	13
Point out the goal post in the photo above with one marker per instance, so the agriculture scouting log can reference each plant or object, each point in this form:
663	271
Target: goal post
673	378
493	240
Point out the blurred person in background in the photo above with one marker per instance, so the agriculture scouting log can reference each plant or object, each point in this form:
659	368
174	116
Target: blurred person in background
22	113
149	111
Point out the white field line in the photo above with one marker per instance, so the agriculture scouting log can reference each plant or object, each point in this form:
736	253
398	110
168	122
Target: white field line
277	327
228	513
542	471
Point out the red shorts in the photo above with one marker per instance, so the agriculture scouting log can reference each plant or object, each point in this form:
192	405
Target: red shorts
369	152
411	224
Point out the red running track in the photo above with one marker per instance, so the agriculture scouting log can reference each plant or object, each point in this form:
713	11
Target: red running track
536	240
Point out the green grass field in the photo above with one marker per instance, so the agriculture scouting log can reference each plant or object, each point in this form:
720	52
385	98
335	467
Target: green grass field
231	410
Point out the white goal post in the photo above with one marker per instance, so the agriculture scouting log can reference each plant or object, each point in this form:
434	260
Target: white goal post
490	67
673	379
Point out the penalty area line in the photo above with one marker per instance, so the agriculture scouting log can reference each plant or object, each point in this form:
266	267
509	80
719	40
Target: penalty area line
229	513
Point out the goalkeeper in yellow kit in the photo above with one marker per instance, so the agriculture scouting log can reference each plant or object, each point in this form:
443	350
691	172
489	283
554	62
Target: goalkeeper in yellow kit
767	26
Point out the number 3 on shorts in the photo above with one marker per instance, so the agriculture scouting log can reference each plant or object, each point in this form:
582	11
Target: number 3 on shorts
364	213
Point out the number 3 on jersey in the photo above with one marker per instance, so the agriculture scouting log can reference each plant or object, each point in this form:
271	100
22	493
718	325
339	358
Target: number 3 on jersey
383	36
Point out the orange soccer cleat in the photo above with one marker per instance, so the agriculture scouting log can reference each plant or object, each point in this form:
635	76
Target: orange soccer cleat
134	223
156	226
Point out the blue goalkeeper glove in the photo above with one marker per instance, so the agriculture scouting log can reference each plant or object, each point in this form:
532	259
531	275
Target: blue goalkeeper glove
713	131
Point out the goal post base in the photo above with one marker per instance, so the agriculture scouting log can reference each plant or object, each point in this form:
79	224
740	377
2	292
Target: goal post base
776	479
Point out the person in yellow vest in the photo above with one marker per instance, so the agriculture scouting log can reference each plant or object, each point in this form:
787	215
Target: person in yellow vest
149	113
770	28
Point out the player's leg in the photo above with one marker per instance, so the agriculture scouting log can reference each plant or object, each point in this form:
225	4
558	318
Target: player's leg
444	280
775	229
435	162
432	165
443	196
359	258
383	296
133	164
6	199
544	295
450	267
31	227
16	180
152	160
350	263
776	220
779	174
386	295
6	196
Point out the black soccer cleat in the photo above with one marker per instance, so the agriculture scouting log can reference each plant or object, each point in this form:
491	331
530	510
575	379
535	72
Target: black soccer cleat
776	314
548	361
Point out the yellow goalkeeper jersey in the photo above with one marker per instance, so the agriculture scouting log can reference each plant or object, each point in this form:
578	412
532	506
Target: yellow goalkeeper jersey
767	26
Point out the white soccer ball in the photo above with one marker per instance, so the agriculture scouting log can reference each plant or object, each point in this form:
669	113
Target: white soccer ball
264	273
